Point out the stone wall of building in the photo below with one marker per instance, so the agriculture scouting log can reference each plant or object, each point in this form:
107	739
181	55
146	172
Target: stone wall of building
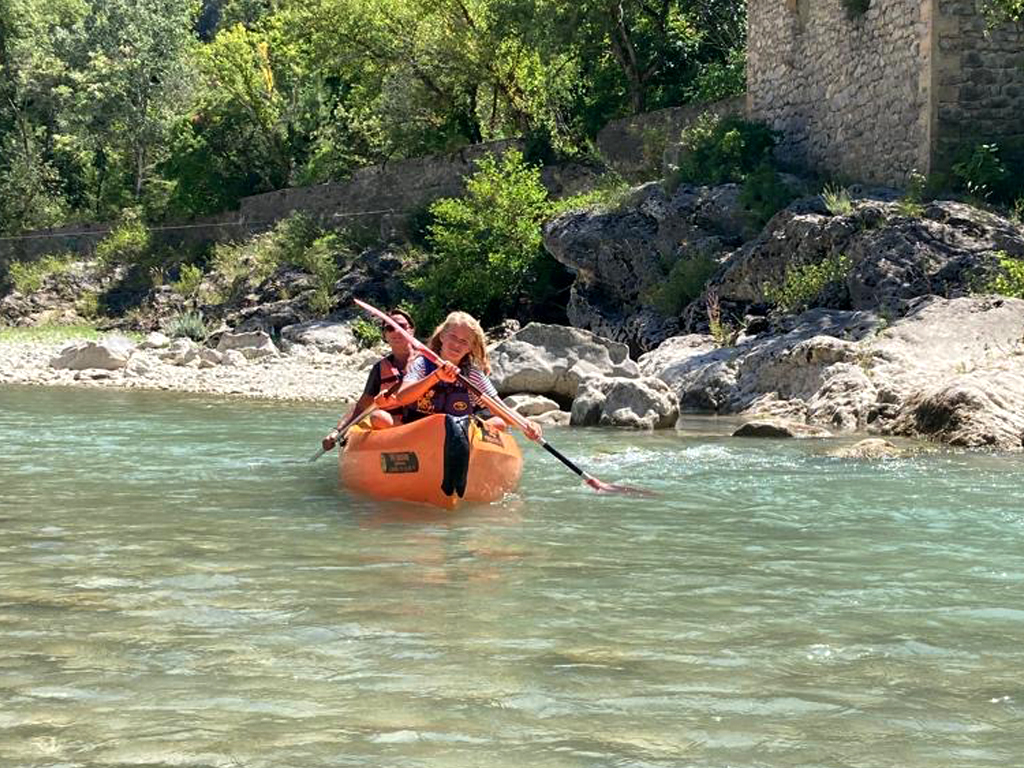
849	91
979	78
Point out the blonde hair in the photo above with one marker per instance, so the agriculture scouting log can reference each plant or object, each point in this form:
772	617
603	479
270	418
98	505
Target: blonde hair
477	353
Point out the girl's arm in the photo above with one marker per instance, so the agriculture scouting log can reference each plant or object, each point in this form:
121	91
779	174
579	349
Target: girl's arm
413	389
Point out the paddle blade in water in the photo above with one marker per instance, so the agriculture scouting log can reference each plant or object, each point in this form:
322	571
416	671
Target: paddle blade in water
625	490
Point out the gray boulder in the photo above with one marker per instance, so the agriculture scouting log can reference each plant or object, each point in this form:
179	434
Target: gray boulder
869	448
530	405
331	337
645	403
554	360
621	256
948	251
954	371
780	428
108	354
155	340
951	370
253	344
181	351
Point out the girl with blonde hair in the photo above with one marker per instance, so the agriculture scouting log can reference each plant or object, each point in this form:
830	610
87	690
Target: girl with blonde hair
429	388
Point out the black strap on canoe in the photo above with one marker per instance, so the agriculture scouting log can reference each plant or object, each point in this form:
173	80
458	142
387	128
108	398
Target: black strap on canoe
456	455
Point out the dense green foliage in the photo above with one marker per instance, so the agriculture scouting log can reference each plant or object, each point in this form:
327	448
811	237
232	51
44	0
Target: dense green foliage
1010	280
684	282
128	244
28	277
1000	11
764	193
717	150
367	334
487	247
294	242
805	283
181	107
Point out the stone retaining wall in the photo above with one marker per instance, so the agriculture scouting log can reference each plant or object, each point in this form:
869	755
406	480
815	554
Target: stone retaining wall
382	199
635	146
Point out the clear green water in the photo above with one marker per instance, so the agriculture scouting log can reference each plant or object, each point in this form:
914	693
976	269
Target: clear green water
177	588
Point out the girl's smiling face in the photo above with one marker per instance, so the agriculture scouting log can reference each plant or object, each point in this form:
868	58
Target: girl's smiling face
456	343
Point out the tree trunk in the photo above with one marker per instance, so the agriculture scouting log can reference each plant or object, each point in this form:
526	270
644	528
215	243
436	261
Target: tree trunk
625	54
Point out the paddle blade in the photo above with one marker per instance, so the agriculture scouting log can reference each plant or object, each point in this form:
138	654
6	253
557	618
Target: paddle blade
626	490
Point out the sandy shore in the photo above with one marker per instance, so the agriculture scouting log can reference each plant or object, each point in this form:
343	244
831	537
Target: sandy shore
305	374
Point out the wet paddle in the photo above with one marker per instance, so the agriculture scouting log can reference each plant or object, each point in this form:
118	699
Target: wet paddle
339	436
499	408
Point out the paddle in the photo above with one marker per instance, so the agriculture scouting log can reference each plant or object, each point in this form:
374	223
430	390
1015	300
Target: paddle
339	435
499	408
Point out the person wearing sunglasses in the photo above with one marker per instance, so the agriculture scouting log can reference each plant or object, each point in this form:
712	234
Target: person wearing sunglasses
384	378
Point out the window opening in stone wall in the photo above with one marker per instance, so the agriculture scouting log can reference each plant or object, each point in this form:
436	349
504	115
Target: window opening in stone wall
855	8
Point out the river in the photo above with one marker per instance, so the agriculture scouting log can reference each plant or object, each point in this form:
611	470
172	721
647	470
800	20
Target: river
180	587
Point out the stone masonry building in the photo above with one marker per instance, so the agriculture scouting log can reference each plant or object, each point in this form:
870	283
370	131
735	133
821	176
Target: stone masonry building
872	93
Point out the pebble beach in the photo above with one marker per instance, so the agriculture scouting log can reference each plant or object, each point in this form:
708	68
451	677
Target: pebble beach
303	374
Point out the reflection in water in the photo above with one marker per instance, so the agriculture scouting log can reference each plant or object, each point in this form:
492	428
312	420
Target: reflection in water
179	588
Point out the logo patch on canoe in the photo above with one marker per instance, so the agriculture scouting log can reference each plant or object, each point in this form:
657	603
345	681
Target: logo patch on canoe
460	406
399	463
489	434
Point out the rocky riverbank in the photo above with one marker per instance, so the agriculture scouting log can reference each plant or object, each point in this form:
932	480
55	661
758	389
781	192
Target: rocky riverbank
305	375
903	338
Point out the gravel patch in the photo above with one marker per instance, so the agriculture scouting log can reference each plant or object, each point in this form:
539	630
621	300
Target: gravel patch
305	374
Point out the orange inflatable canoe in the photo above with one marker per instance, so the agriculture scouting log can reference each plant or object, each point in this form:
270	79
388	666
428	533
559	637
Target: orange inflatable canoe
439	460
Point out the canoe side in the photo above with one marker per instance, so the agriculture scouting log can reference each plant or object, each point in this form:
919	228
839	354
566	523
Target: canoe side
407	463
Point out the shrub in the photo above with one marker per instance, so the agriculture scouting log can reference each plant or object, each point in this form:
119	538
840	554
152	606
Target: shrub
723	333
187	324
128	244
609	195
486	245
837	200
88	305
28	277
684	283
805	283
295	241
367	334
1011	281
910	205
318	260
980	171
764	193
1017	211
717	150
189	278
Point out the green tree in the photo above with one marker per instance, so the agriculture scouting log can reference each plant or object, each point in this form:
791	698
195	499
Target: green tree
487	252
31	192
130	81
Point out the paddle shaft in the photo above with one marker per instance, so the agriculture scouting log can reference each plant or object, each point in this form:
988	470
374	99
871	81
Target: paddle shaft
339	436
